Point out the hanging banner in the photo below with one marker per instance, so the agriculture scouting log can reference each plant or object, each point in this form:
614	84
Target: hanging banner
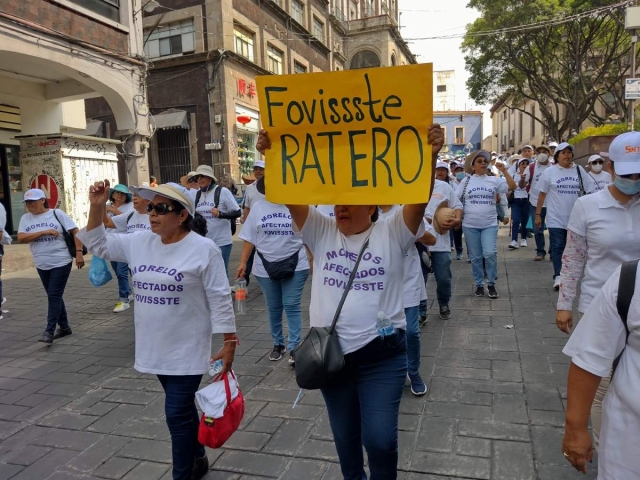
355	137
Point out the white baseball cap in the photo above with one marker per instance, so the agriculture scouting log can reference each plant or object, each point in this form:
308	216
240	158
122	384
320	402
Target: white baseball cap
593	158
442	165
258	163
33	194
553	144
624	151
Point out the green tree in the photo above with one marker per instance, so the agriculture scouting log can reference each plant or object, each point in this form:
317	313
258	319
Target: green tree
567	68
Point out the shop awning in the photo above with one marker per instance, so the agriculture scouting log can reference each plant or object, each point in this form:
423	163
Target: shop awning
94	129
171	119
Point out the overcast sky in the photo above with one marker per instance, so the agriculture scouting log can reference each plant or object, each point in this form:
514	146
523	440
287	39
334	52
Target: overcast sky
430	18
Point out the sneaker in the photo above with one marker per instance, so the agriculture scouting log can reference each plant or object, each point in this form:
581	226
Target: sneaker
292	361
131	297
422	321
556	283
479	292
46	338
529	234
523	242
513	245
418	387
445	312
62	332
276	353
3	301
468	260
121	307
459	256
493	293
200	468
538	258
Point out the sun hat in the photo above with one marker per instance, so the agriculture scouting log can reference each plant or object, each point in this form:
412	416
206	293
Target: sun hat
512	159
624	151
122	189
593	158
442	165
468	163
543	147
442	214
135	189
258	164
169	190
33	194
562	147
523	160
207	171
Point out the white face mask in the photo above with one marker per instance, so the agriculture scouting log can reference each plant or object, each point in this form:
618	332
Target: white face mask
596	167
542	158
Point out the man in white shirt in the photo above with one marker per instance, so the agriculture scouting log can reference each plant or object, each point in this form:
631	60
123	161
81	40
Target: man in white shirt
602	178
536	169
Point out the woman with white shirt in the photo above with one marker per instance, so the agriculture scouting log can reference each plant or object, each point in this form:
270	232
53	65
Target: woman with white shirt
132	221
520	206
120	204
363	404
268	229
480	222
560	186
602	234
600	176
182	298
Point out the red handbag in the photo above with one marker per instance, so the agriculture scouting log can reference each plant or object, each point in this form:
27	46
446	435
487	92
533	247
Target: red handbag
214	432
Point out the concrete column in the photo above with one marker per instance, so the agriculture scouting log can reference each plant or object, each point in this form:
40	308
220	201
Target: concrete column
136	158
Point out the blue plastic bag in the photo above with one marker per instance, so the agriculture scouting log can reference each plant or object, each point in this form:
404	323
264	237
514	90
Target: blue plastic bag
99	273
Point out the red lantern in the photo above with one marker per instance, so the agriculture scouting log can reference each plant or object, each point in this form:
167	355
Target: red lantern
243	119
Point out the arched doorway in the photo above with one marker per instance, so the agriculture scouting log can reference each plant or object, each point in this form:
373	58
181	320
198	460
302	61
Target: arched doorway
365	59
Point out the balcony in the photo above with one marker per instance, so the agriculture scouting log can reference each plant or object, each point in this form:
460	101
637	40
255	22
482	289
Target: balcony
369	11
339	19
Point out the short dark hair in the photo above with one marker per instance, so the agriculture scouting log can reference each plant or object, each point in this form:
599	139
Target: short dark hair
46	203
127	197
196	223
376	215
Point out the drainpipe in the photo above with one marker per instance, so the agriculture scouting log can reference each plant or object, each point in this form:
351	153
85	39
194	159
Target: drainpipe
209	88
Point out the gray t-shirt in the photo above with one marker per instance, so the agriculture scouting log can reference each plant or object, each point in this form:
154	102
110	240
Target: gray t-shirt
252	196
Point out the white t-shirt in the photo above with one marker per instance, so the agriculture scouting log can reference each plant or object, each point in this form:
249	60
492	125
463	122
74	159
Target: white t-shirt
48	251
181	295
5	238
521	192
378	285
602	179
218	229
268	227
480	200
612	232
538	170
442	191
328	210
414	287
252	196
562	188
595	343
138	222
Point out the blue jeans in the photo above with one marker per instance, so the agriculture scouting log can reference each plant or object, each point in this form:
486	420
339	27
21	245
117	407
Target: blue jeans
413	339
482	243
121	270
54	281
183	421
226	254
539	233
457	240
519	218
284	295
557	242
363	407
441	268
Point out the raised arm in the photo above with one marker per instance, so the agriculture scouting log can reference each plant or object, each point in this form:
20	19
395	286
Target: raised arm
510	182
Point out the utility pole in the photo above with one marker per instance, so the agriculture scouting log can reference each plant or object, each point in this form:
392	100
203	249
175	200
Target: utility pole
632	23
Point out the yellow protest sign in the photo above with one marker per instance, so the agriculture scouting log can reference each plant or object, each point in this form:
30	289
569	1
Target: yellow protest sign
355	137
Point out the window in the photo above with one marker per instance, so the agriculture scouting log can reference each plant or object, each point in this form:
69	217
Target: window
243	43
170	39
318	29
520	122
106	8
459	136
393	59
277	2
299	68
274	60
297	11
504	115
533	121
444	134
441	88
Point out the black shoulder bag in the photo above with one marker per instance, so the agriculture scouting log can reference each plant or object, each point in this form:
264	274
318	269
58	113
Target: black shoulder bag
280	269
69	239
626	287
318	357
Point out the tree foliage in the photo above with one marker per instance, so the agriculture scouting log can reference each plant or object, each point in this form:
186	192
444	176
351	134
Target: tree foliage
567	68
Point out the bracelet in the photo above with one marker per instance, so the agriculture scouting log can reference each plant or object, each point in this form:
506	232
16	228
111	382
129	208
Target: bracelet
235	340
78	250
538	214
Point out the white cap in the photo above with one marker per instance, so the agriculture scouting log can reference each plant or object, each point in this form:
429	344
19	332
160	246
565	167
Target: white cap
523	160
527	146
624	151
170	190
442	165
258	163
562	146
593	158
553	144
33	194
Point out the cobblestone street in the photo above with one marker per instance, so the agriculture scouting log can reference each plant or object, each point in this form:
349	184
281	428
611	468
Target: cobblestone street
495	407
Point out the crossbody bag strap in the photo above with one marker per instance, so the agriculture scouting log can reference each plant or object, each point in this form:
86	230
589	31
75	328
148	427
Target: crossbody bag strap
61	225
464	191
626	289
349	282
580	182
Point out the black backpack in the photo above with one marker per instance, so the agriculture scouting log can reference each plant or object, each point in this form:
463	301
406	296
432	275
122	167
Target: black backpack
626	288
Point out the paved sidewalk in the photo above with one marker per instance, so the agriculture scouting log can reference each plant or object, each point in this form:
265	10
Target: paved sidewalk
495	406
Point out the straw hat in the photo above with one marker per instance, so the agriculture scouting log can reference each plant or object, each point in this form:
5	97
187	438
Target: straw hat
471	157
442	214
172	191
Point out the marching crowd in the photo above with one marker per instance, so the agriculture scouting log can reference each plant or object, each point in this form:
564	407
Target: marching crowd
370	264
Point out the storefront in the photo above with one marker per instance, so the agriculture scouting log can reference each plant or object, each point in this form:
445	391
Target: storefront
247	127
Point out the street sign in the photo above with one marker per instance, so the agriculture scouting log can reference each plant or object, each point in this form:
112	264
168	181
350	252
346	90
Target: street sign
632	90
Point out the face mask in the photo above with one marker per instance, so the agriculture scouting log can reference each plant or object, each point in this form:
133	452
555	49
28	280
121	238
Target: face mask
627	186
460	175
596	167
542	158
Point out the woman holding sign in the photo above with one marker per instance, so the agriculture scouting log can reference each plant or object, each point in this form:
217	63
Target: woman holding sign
363	404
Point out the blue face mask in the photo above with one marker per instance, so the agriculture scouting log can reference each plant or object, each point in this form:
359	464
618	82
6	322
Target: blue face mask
627	186
460	175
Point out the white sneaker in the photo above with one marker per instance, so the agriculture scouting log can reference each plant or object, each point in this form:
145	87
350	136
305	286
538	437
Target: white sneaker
523	242
131	297
556	283
513	245
121	307
3	301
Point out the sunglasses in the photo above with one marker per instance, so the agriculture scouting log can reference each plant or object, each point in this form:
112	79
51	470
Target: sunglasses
160	208
481	160
597	162
195	178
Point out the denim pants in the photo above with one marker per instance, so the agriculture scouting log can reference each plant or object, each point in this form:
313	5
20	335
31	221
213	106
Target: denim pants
482	244
539	232
121	270
519	218
457	240
226	254
363	407
54	282
413	339
183	421
284	295
557	242
441	268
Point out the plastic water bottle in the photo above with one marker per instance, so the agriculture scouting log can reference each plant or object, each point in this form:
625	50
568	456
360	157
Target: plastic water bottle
241	296
215	368
384	325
